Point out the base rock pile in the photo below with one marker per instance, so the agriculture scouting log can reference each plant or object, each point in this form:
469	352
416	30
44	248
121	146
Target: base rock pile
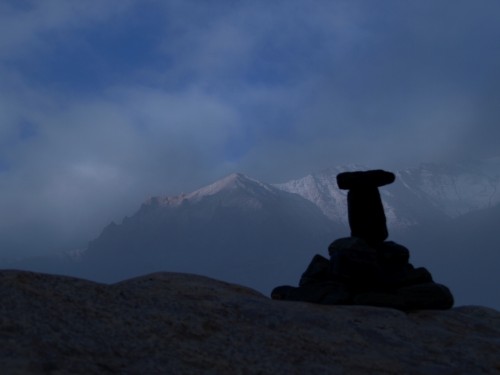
365	269
170	323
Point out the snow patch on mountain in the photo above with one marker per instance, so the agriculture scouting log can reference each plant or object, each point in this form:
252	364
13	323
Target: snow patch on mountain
456	189
232	182
450	190
248	189
418	195
322	190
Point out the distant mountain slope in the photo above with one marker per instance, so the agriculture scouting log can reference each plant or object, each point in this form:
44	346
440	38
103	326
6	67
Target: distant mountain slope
456	189
242	230
237	229
430	192
464	253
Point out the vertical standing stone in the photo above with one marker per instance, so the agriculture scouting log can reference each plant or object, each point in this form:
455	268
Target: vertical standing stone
365	210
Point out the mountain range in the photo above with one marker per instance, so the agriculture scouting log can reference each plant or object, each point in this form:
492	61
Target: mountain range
261	235
429	191
239	229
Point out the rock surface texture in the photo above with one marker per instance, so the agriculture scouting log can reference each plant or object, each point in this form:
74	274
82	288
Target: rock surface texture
170	323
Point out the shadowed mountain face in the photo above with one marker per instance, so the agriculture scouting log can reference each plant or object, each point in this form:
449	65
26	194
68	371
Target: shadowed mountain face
465	253
245	231
237	229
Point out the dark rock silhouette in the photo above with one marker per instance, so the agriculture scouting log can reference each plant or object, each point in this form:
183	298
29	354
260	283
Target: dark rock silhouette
364	269
365	209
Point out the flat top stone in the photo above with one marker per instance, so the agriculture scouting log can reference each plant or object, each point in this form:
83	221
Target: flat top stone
184	324
364	179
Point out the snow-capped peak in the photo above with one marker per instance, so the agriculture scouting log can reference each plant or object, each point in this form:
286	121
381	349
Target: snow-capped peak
430	190
228	183
232	182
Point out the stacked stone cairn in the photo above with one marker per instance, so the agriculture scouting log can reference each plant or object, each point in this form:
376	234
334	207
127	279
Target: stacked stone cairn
365	269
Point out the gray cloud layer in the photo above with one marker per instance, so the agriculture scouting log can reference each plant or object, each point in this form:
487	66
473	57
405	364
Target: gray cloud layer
104	104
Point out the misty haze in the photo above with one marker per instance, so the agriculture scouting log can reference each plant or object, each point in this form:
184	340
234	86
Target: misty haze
205	137
260	235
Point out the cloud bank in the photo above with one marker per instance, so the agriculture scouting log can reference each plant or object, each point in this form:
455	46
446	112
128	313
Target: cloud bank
105	103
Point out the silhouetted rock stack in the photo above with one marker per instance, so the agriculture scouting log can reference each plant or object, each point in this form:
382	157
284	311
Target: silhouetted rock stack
365	269
365	209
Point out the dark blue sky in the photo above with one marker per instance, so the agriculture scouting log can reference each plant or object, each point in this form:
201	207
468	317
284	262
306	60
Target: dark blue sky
104	103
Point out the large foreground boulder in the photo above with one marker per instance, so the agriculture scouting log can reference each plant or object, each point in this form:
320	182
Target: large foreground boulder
168	323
